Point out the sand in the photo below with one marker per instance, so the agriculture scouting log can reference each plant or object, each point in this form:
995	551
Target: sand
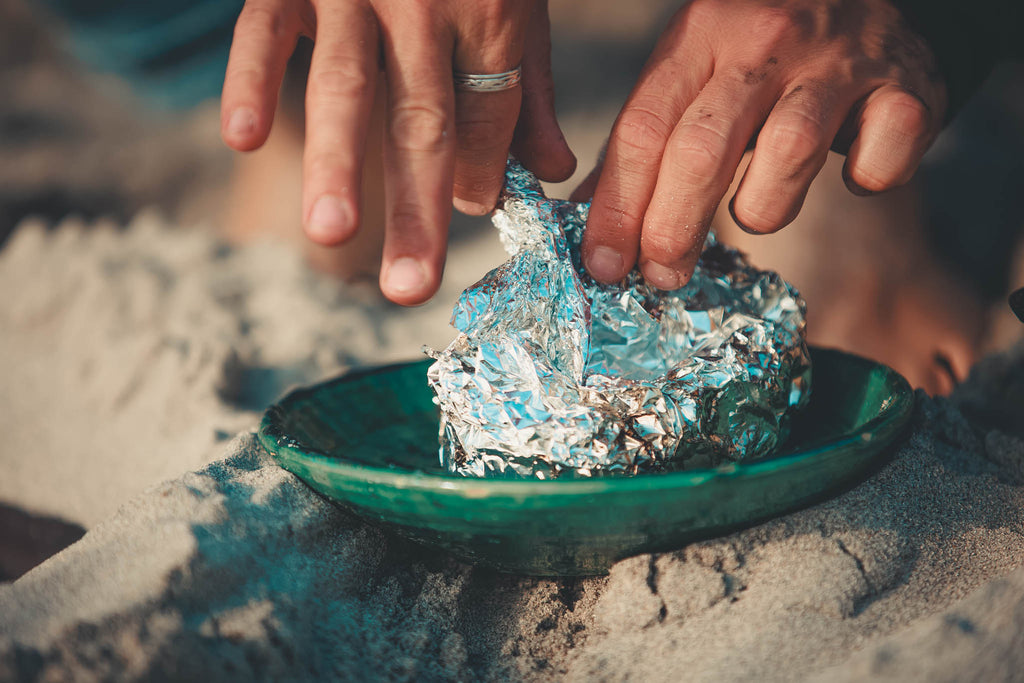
137	355
167	337
146	353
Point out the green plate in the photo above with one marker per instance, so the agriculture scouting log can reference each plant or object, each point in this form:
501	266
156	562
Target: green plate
368	442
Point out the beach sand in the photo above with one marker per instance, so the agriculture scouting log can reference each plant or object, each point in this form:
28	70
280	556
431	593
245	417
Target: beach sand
138	351
146	354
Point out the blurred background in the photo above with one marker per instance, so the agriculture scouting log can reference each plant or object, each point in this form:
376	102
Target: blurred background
112	106
109	107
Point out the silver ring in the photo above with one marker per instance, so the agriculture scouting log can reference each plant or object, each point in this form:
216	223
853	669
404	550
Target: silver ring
488	82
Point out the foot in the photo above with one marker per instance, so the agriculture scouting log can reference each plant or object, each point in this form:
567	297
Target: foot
871	284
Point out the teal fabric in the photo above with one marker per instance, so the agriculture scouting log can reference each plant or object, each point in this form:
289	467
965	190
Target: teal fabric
173	53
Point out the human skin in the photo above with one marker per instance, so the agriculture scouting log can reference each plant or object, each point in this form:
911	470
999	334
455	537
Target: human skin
440	146
797	77
793	77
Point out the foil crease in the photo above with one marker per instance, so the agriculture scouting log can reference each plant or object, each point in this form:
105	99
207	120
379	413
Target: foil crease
554	374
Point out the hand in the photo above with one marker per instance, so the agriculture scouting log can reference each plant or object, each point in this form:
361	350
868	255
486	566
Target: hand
439	145
800	76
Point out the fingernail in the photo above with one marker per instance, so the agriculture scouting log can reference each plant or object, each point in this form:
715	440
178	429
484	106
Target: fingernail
469	208
242	122
737	221
330	220
405	276
605	264
661	276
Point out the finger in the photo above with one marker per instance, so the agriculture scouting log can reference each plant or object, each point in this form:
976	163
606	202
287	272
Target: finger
538	141
665	89
488	43
895	129
483	123
791	149
699	164
419	155
339	98
264	38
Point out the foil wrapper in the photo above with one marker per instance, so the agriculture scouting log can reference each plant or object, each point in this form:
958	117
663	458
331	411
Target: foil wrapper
554	374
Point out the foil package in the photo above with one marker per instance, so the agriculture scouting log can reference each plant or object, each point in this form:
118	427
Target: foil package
554	374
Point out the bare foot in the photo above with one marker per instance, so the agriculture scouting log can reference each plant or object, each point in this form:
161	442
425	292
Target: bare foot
871	284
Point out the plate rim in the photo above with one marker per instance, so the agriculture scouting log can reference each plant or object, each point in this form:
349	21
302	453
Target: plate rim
895	414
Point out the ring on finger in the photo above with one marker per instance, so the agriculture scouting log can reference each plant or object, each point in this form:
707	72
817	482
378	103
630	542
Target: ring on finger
488	82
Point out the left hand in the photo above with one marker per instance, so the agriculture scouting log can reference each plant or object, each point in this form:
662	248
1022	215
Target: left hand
799	76
441	144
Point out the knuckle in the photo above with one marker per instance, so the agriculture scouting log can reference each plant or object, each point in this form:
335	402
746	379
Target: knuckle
697	13
700	153
632	173
492	13
481	133
418	127
625	217
666	247
339	78
405	215
497	20
406	222
249	76
772	26
327	168
795	143
907	114
266	18
615	217
642	129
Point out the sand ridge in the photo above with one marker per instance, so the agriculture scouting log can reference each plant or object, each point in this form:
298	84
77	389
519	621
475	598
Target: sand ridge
233	570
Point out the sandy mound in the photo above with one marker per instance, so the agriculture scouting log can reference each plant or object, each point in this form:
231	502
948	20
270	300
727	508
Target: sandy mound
148	335
236	571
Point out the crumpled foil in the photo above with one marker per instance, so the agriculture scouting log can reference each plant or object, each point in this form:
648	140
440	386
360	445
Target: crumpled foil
554	374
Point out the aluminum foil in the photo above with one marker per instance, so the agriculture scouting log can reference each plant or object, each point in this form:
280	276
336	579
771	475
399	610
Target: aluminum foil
554	374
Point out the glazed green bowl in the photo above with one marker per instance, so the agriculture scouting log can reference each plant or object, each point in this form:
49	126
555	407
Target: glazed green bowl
368	442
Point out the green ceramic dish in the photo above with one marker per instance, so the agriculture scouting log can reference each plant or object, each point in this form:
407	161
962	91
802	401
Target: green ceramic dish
368	441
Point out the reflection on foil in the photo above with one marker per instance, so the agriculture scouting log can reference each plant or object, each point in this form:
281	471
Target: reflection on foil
554	374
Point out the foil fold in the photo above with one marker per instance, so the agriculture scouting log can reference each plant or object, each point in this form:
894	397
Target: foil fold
554	374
